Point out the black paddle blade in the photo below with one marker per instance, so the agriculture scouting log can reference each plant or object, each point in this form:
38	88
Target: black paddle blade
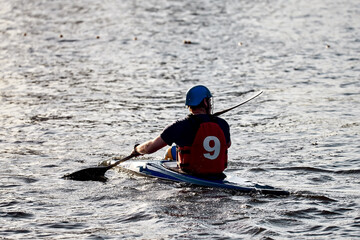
89	174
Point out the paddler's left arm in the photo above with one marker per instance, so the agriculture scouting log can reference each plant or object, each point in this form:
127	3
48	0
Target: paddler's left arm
150	146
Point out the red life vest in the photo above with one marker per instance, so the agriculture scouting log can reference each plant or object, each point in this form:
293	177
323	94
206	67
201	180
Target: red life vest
208	153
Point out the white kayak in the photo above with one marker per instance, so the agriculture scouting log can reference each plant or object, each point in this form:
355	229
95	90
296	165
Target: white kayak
168	170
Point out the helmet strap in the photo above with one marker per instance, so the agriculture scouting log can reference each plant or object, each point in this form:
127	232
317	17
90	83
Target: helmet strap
208	105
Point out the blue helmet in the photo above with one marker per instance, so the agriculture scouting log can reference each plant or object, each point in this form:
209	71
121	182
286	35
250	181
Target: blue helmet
196	94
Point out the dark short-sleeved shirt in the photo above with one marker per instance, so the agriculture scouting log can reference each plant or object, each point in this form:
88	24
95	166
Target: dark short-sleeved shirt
183	132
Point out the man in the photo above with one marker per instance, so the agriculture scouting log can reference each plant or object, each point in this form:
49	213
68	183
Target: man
201	139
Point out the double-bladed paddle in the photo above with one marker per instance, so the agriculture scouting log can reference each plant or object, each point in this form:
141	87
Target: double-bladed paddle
98	173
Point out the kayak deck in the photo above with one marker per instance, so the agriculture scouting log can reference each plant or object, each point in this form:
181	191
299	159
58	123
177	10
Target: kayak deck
167	170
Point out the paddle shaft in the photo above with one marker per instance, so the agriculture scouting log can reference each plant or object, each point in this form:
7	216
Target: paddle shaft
121	160
247	100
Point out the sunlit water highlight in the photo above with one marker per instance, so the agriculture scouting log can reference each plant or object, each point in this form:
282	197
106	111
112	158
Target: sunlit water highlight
82	81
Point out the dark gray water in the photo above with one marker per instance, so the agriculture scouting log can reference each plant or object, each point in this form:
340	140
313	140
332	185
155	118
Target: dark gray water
83	81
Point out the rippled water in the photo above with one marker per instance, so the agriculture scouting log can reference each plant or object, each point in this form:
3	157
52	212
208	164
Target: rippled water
82	81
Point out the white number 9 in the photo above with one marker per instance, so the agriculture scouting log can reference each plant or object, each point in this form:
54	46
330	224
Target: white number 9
215	150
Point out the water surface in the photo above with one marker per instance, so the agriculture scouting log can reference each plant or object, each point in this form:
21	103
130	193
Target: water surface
83	81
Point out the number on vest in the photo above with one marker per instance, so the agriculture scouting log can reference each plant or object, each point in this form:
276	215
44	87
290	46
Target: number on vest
212	146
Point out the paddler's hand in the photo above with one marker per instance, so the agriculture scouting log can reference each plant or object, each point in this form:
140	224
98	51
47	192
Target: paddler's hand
135	153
